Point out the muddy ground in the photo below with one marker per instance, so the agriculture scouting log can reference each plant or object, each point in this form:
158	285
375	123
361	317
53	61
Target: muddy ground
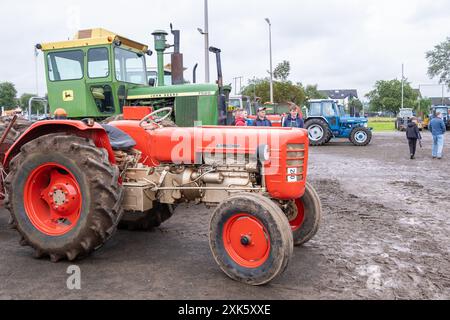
385	234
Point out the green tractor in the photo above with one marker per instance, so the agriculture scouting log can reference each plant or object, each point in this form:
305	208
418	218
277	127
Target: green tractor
99	72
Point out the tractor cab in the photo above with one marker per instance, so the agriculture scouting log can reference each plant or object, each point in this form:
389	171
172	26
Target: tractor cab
90	75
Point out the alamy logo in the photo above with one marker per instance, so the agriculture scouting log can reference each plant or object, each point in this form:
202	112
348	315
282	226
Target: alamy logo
74	280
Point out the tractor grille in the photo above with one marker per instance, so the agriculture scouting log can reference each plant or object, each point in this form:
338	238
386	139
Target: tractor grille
295	162
186	111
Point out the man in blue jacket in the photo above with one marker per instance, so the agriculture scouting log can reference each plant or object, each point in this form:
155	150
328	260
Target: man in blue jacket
437	128
261	119
293	119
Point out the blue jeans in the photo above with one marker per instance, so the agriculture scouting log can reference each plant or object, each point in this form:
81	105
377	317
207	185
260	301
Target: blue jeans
438	145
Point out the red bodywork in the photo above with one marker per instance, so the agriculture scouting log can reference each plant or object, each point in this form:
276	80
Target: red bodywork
187	145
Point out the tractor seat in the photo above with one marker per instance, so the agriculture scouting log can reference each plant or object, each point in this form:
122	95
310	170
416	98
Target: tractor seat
119	140
98	93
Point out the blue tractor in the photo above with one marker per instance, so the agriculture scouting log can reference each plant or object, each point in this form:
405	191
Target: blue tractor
326	120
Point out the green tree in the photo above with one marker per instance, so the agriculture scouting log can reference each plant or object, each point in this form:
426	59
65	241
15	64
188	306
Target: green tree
439	62
423	106
387	96
312	92
8	95
283	91
355	104
282	71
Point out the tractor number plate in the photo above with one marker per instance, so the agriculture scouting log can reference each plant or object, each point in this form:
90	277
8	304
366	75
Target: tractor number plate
292	172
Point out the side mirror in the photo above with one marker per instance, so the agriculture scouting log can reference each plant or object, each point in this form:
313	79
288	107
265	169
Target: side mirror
152	82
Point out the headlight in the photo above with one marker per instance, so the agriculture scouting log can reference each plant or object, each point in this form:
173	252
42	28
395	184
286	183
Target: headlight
366	125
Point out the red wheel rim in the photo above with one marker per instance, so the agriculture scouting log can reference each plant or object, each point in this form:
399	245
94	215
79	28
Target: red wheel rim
246	240
298	221
52	199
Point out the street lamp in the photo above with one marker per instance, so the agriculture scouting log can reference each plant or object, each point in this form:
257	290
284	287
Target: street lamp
205	32
270	48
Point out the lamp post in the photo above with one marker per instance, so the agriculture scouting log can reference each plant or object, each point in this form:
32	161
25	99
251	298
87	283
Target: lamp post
205	32
271	68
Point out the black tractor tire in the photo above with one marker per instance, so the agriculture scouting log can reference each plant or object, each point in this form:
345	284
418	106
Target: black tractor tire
16	131
100	193
273	238
357	134
321	125
308	226
146	221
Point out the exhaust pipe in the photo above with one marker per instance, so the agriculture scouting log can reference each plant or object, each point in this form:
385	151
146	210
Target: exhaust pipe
176	59
223	116
194	73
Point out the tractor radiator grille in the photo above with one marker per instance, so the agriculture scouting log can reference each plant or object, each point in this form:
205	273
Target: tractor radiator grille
186	111
295	162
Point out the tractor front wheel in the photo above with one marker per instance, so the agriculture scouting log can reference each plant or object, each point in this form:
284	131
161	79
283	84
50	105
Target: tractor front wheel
318	132
305	215
360	136
250	239
64	196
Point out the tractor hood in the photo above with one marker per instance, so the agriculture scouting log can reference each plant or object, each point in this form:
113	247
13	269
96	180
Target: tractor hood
353	120
174	91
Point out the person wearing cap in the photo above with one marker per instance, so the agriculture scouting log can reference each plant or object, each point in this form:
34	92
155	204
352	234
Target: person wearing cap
293	119
261	119
60	114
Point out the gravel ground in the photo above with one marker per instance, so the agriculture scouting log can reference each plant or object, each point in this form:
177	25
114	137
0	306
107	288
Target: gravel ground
385	234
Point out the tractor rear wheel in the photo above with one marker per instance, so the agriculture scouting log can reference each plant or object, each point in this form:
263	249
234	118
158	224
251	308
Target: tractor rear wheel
318	132
305	215
360	136
64	196
148	220
250	238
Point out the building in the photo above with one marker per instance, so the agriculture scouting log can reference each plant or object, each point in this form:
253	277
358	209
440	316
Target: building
440	102
342	96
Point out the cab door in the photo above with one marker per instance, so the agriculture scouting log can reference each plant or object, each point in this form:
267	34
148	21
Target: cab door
101	96
331	113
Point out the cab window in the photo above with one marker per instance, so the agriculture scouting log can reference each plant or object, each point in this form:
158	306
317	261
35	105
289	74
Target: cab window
314	109
98	65
130	66
66	65
328	109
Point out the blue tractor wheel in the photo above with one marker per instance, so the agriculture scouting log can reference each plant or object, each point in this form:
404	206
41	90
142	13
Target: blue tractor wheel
318	132
361	136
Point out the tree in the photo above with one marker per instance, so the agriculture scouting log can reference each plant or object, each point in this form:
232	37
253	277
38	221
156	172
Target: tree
387	96
355	105
282	71
283	91
312	92
439	62
424	106
8	95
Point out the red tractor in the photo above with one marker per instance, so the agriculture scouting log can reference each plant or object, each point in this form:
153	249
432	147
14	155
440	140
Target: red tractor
70	184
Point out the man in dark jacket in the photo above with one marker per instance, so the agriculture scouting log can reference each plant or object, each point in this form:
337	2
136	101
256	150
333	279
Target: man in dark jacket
437	128
413	134
293	120
261	119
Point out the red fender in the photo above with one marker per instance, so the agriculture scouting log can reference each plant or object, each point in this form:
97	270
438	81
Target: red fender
79	128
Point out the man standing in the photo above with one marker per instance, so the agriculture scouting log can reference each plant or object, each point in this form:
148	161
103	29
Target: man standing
437	128
293	120
261	119
413	134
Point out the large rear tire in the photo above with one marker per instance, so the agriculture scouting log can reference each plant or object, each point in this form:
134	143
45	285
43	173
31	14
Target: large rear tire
250	239
318	132
305	215
360	136
63	195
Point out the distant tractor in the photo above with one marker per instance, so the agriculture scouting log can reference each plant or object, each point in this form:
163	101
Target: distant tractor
326	120
404	117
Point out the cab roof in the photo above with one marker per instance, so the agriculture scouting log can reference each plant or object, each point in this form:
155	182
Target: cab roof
92	37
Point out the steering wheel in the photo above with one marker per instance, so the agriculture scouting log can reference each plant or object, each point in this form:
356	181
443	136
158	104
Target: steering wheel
150	120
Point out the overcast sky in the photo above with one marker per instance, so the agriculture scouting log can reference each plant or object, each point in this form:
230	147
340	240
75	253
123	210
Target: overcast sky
340	44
